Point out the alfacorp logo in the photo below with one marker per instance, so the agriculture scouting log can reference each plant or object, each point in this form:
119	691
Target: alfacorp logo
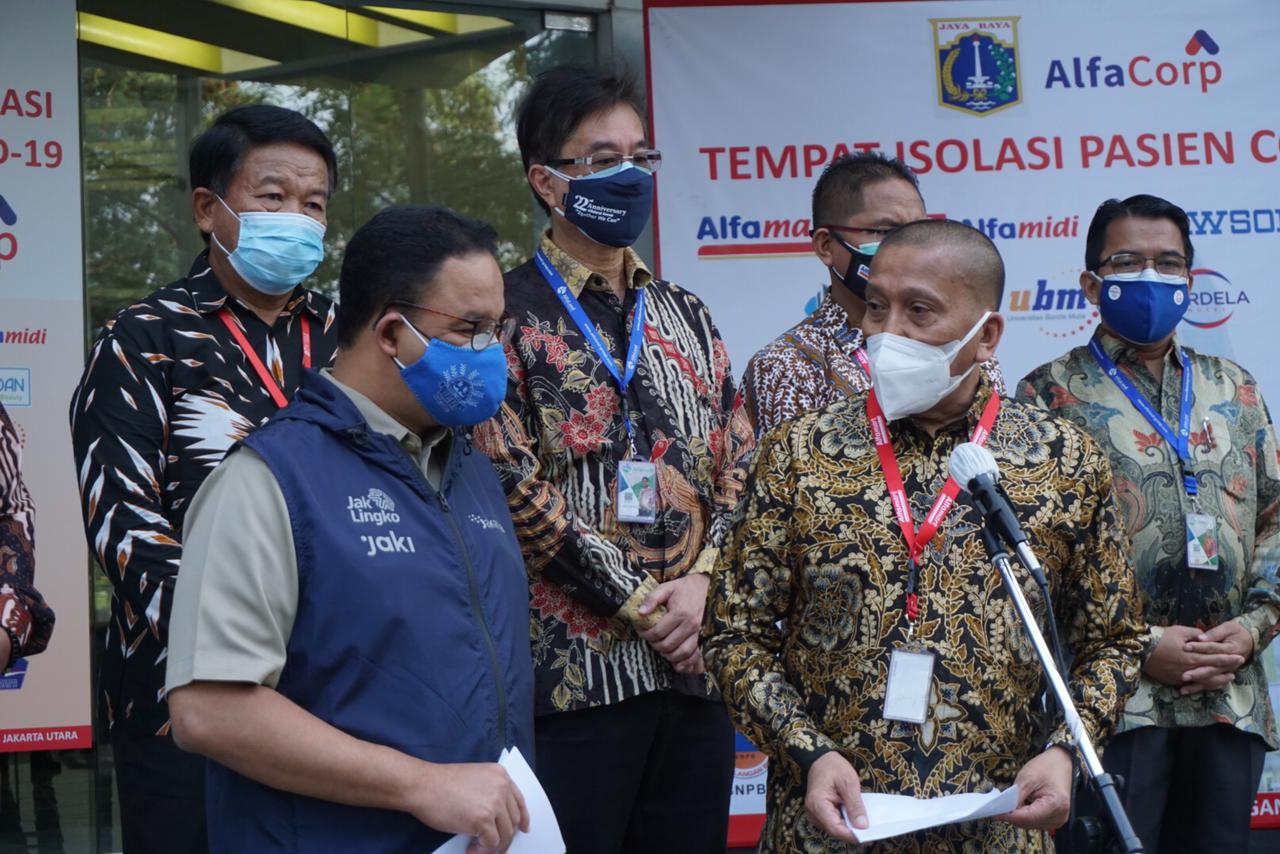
1200	40
976	63
1213	299
1094	72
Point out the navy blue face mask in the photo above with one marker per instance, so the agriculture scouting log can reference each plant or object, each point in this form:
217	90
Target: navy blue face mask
610	207
1142	307
855	275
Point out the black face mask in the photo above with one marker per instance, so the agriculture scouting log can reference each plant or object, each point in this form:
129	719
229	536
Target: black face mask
855	275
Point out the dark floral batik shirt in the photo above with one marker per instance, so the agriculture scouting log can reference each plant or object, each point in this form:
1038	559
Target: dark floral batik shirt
166	391
1233	444
556	444
809	602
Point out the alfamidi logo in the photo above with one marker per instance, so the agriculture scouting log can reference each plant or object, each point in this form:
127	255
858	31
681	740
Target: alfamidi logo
976	64
376	508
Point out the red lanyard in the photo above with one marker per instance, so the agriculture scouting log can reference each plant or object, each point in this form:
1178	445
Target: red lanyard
916	540
268	381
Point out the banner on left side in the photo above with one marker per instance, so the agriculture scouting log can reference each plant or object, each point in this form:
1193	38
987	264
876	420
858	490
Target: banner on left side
44	700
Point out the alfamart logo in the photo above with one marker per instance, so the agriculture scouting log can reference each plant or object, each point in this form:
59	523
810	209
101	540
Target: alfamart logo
976	63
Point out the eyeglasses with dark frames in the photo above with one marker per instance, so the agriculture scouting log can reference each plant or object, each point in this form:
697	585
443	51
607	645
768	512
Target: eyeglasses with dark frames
483	332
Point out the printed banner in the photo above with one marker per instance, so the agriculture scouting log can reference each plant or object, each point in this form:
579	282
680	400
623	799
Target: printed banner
44	701
1019	118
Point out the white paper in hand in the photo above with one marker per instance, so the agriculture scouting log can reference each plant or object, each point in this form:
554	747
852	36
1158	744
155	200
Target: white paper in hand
894	815
544	831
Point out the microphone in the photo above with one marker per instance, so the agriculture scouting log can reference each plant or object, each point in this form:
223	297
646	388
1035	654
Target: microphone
975	469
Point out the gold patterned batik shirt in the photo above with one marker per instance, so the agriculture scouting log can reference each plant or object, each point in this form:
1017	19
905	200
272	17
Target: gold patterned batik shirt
1233	443
810	366
809	602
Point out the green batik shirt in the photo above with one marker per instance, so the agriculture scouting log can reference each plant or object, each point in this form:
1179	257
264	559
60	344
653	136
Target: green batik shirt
1233	446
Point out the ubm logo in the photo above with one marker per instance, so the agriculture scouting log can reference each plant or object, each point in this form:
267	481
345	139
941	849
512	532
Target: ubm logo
1046	298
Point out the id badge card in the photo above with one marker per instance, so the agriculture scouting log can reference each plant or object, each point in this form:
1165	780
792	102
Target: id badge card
906	698
1202	541
637	491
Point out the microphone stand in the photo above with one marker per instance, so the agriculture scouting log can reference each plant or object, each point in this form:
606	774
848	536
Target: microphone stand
1123	838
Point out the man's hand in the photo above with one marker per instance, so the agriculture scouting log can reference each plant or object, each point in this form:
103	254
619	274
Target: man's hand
832	784
1044	788
1184	659
675	636
477	799
1229	638
5	649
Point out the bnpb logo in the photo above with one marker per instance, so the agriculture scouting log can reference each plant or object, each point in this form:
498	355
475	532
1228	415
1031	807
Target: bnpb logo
8	241
976	63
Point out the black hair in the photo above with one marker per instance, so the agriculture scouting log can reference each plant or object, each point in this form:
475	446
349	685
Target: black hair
838	193
563	98
1143	206
217	153
396	255
978	264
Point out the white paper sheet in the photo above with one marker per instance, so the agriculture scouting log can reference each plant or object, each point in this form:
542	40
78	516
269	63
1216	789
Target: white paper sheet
544	831
893	815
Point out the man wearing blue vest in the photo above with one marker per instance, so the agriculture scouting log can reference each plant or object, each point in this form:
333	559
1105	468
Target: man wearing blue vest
353	654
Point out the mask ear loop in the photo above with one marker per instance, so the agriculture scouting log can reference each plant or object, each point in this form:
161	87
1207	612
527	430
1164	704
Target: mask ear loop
425	343
214	235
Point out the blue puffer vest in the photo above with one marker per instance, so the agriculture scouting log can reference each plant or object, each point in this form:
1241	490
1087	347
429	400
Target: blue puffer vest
412	628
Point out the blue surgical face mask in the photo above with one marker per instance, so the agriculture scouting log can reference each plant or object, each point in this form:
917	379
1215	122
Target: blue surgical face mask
276	249
1142	307
610	207
855	275
457	386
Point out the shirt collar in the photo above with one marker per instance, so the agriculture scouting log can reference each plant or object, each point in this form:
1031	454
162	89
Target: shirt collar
972	416
208	295
380	420
580	277
1122	352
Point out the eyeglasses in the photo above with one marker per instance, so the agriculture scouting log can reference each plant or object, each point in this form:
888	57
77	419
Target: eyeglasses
1169	264
483	332
879	231
649	159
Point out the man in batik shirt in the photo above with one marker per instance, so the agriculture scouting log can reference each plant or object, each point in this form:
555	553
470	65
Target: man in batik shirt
1203	513
857	200
174	381
634	748
811	603
26	621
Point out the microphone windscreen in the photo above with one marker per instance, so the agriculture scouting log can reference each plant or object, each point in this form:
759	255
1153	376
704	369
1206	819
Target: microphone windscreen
970	460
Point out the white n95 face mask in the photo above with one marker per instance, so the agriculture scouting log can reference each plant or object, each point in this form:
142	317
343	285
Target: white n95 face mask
910	376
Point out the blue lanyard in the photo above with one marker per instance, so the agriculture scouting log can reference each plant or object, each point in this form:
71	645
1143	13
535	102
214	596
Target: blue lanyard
1180	443
589	331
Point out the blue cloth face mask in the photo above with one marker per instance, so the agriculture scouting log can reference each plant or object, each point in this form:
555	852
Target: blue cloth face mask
457	386
1142	307
855	275
276	249
610	207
